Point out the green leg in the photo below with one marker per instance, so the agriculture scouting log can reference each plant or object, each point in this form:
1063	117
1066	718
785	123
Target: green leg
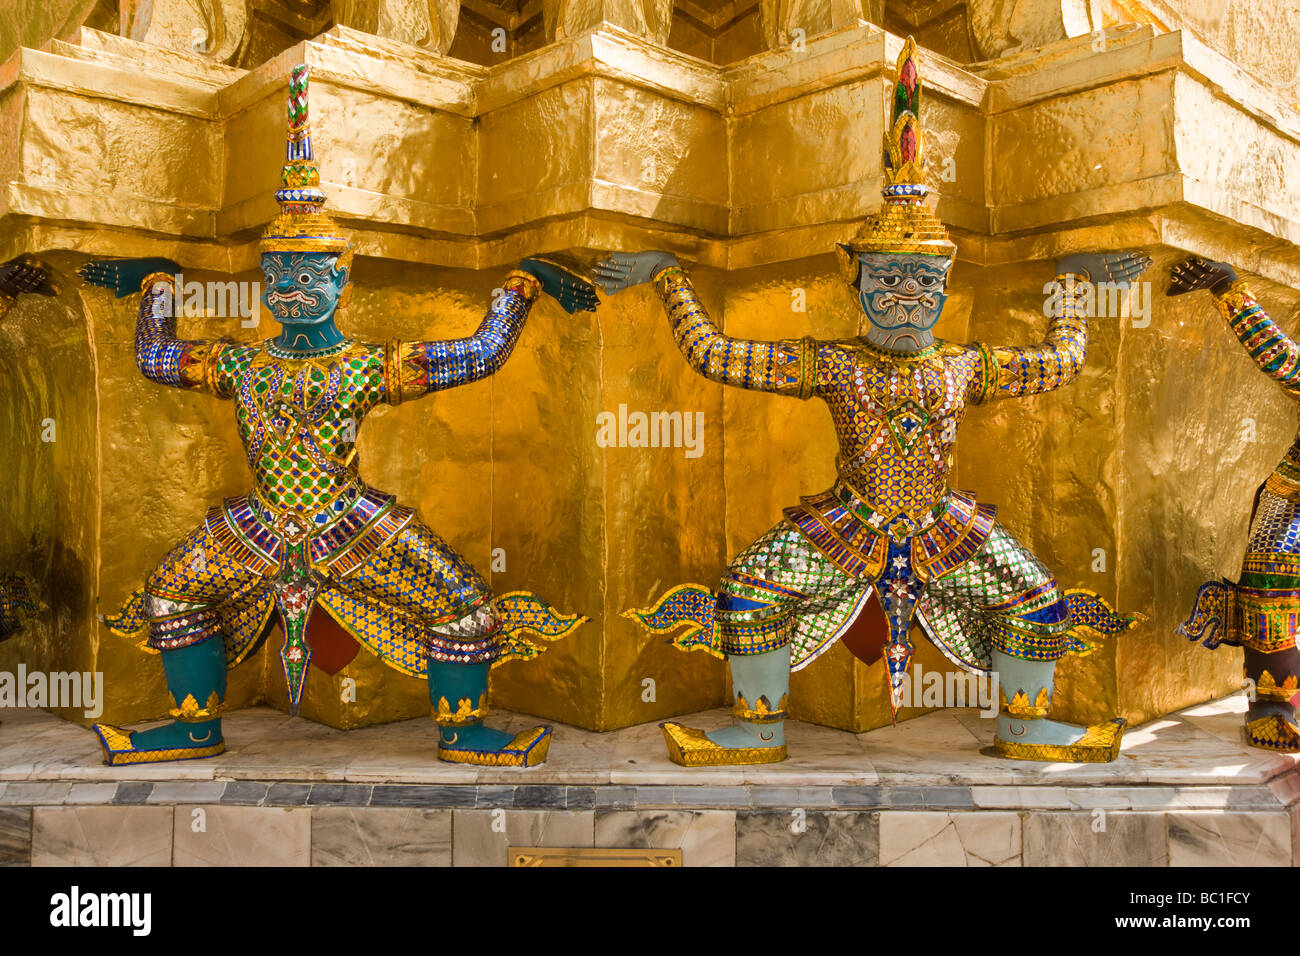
196	677
761	684
458	693
1025	732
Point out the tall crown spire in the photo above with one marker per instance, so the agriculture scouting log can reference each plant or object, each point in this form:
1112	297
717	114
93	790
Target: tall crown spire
904	224
302	225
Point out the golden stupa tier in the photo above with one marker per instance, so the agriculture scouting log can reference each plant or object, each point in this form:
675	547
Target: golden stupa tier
1134	482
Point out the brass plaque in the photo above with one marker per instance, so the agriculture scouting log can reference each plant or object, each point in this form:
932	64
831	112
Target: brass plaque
591	856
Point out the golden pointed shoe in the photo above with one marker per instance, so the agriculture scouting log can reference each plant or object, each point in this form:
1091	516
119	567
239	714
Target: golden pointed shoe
1274	732
692	748
1099	744
527	749
119	749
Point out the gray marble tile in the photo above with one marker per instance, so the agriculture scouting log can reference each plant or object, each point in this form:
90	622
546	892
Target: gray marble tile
806	838
931	838
380	836
132	793
791	797
91	794
483	837
1021	798
418	795
15	836
579	798
538	797
1095	838
492	797
186	791
615	798
102	836
705	837
287	795
1210	838
710	796
859	796
339	795
51	793
948	798
656	796
245	792
222	835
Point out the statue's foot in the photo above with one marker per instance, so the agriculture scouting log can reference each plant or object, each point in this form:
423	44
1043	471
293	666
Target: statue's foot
1055	742
486	747
177	741
727	747
1274	732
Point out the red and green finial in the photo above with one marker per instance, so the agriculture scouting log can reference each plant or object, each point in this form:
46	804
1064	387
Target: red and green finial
303	225
903	157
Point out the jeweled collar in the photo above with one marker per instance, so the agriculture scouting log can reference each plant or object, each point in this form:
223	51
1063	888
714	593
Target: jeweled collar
276	352
889	355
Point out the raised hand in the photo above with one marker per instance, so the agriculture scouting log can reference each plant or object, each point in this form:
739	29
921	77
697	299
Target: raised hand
124	276
623	270
1197	273
1120	268
562	282
23	275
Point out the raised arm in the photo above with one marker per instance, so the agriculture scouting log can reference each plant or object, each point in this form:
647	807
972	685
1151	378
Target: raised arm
1277	356
163	358
413	369
787	367
417	368
1013	372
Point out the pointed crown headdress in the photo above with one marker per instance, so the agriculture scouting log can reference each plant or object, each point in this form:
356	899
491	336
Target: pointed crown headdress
302	225
905	223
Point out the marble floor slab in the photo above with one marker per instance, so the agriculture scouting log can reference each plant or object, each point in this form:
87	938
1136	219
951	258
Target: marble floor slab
45	760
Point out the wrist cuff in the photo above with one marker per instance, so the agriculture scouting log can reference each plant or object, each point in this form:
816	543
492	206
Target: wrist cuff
153	277
524	282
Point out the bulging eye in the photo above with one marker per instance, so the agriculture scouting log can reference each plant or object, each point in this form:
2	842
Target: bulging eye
304	278
890	281
270	279
928	282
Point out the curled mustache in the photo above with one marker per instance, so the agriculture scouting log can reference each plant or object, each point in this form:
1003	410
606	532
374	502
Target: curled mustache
903	309
292	303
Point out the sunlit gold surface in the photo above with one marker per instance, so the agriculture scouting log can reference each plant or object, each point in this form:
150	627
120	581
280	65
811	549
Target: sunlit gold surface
448	172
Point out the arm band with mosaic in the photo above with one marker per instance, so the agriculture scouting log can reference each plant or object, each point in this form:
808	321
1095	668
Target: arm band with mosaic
788	367
1012	372
417	368
160	355
1276	355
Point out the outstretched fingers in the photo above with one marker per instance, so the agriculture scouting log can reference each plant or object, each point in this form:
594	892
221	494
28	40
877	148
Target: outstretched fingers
1192	274
583	296
612	275
1124	267
1130	268
100	272
27	278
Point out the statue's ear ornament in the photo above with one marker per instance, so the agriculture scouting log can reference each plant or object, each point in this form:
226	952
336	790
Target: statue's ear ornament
850	268
905	224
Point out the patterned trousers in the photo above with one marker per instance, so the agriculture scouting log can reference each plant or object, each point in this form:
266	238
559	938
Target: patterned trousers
781	590
415	574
